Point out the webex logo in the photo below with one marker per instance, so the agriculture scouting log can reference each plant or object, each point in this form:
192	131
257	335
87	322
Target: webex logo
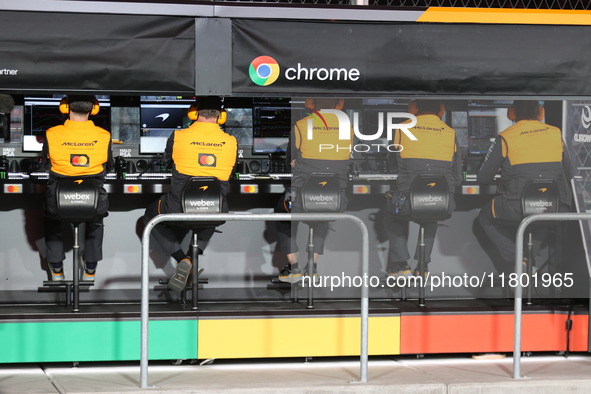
264	70
321	198
540	204
345	130
430	198
77	196
202	203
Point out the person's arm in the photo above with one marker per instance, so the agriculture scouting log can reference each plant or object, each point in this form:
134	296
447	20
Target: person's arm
456	164
492	162
288	154
110	161
567	165
45	160
293	146
167	156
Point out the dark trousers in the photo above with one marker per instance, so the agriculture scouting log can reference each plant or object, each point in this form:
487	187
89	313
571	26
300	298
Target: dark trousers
169	239
93	240
286	231
397	233
502	234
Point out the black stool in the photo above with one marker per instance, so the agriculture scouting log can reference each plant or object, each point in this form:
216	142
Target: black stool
321	193
200	195
539	196
77	202
429	203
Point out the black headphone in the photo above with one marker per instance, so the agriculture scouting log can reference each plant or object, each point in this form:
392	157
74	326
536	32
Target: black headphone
413	108
511	113
65	105
311	104
193	114
208	102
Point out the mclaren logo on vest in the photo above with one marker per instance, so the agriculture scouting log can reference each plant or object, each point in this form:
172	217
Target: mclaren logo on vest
214	144
79	144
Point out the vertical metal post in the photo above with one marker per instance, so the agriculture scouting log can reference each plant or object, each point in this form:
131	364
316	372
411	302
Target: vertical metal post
195	263
145	304
310	267
69	292
76	269
364	304
184	296
518	301
530	265
519	270
421	265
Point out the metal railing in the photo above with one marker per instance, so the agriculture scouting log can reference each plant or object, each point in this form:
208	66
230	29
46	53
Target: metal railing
519	270
183	217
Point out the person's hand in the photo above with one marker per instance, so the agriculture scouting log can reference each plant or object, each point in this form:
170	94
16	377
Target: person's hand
292	163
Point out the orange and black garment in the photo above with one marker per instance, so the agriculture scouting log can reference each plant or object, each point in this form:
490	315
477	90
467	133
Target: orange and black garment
202	149
319	149
527	150
435	150
78	149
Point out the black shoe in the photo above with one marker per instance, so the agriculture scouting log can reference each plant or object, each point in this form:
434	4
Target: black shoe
426	273
402	271
57	274
179	279
87	275
288	275
315	274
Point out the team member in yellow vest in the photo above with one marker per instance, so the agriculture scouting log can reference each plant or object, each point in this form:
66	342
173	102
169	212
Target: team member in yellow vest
205	139
527	150
78	149
435	151
305	157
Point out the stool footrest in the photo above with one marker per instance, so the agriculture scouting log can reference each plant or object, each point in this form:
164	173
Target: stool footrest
200	281
65	283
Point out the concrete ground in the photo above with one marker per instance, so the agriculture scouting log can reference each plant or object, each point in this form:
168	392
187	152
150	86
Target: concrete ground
433	375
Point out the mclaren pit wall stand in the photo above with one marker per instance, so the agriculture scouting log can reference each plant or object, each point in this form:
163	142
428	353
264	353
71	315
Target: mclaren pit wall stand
183	217
519	271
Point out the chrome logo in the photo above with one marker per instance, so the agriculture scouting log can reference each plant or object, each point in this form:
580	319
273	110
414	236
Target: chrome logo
264	70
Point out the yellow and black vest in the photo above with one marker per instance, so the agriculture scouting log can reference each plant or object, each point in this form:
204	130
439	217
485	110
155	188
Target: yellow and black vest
325	131
531	149
204	149
432	152
78	148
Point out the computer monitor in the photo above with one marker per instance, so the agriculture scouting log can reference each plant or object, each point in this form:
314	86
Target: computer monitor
272	123
486	120
239	124
42	113
160	120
